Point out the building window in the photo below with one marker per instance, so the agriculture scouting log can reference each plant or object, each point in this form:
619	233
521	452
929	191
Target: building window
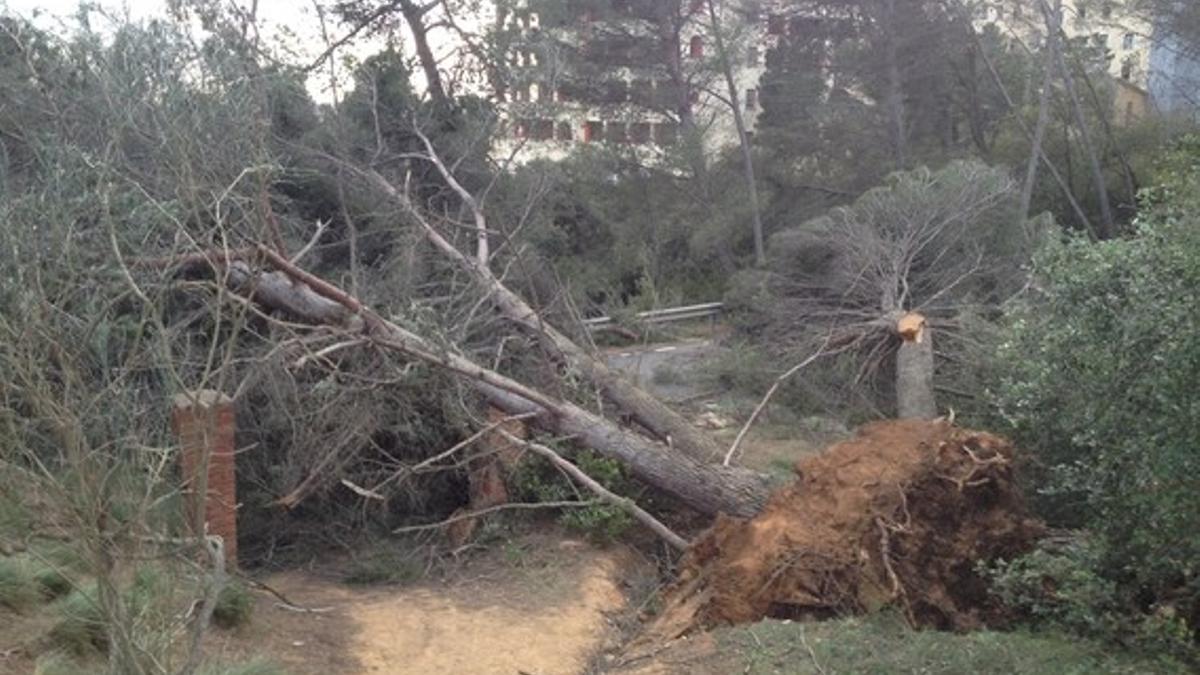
696	47
564	131
752	55
666	133
751	99
521	130
592	131
639	132
1126	69
1128	42
696	6
776	24
615	132
642	92
543	130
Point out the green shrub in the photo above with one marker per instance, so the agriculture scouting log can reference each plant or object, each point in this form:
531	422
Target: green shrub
235	605
58	663
539	481
52	582
81	627
18	586
740	369
1097	380
1065	588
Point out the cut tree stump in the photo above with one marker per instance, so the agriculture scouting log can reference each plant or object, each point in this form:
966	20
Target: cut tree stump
914	369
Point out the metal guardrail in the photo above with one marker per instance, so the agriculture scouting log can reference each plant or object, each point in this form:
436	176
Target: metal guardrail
668	315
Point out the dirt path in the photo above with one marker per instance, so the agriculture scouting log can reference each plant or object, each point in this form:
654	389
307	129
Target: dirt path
544	611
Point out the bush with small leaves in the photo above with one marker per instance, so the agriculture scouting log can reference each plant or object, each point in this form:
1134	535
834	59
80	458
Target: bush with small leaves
235	605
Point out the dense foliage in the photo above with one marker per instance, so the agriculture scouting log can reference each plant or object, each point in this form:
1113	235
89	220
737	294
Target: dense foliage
1097	380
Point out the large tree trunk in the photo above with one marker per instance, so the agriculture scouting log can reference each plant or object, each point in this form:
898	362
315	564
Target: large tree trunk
707	487
664	423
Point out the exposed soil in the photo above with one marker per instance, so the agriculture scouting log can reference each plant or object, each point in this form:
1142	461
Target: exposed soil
542	608
897	515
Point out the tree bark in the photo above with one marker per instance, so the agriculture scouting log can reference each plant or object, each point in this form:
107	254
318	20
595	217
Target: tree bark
707	487
414	16
914	370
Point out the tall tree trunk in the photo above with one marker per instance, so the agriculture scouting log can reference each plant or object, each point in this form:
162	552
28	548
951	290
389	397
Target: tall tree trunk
895	95
414	16
707	487
1043	118
1054	25
760	255
1064	185
668	24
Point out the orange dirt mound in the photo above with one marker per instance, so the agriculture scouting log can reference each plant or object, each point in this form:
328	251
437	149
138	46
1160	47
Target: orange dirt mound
898	515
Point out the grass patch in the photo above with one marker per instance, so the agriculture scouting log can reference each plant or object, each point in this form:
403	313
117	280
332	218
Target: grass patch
81	627
258	666
235	605
884	644
18	587
51	582
60	663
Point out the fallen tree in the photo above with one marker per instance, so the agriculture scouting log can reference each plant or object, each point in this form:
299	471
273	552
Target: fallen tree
660	420
710	488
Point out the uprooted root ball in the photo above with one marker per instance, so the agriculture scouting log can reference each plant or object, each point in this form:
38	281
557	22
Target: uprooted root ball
898	515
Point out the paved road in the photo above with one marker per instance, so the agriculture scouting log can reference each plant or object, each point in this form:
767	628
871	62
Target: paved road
676	365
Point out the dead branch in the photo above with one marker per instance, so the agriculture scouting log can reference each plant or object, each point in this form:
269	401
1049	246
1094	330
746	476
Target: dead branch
508	506
652	414
758	409
709	488
623	503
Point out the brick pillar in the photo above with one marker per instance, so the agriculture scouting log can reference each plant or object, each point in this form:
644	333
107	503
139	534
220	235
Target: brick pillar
204	423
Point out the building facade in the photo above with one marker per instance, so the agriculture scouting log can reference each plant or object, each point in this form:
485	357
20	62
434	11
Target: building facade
636	74
1149	70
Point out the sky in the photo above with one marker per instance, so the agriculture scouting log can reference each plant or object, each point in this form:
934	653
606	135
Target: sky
295	21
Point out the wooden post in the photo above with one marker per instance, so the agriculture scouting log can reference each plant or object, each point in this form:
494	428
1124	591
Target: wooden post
914	369
204	424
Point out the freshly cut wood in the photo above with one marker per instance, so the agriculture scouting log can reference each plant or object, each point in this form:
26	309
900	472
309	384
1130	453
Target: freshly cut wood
707	487
914	369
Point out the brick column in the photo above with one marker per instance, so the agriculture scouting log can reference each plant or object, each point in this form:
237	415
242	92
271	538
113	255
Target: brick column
204	423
